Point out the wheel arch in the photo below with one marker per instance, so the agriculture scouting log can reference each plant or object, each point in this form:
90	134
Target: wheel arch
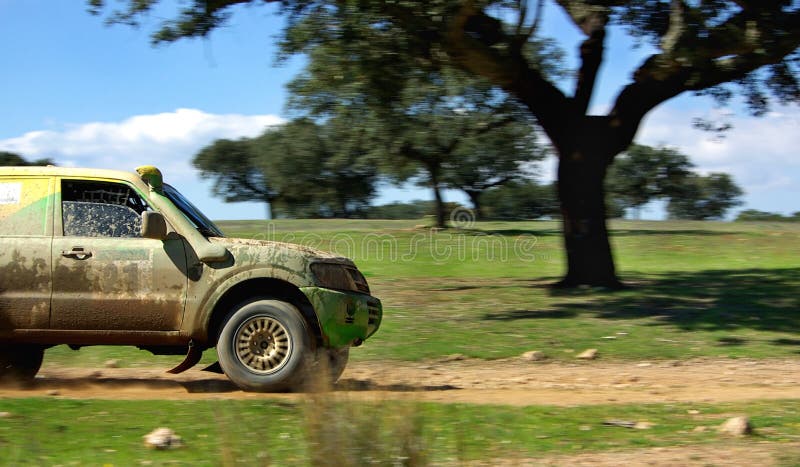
266	288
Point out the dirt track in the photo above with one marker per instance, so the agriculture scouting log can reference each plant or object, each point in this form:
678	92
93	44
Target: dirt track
511	382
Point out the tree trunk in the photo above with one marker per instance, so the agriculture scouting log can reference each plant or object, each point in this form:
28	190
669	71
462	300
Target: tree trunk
268	209
441	215
475	199
581	173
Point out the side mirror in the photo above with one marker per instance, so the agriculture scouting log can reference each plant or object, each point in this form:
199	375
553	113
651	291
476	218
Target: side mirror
153	225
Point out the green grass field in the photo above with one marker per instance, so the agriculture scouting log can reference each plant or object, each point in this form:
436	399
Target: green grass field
698	289
102	432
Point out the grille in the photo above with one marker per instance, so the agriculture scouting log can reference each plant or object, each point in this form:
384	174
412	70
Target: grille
374	316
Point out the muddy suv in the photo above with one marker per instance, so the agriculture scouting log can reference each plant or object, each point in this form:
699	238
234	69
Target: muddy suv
99	257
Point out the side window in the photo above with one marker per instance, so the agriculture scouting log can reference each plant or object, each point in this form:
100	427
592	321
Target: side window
23	206
100	209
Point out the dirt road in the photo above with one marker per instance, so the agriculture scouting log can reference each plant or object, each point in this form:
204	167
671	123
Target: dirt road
510	382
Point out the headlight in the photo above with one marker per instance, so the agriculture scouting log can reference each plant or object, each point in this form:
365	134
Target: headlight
340	277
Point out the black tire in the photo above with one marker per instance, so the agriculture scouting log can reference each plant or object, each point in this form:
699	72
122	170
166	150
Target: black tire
265	346
335	362
20	363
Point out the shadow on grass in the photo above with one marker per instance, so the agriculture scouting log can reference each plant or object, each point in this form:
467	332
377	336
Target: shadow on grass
759	299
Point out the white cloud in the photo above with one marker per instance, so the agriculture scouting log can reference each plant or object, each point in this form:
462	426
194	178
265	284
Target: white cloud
761	153
168	140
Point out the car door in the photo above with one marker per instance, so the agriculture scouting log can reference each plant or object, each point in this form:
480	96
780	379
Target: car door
105	275
26	227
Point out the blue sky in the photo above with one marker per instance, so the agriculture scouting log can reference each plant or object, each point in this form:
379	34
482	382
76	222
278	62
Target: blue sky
86	94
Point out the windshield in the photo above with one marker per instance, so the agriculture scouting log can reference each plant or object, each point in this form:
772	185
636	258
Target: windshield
200	221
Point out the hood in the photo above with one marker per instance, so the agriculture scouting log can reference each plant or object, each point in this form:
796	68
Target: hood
238	244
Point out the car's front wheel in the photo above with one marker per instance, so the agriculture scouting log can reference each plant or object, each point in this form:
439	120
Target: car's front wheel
19	364
265	346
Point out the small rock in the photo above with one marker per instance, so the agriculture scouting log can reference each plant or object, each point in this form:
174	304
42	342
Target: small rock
53	392
534	356
162	438
644	364
643	425
589	354
5	414
113	363
736	426
456	357
620	423
608	337
693	412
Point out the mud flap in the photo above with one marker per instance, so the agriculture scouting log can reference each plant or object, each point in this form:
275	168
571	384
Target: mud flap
192	357
214	368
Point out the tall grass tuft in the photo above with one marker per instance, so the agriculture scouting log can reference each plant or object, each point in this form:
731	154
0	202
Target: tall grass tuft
343	432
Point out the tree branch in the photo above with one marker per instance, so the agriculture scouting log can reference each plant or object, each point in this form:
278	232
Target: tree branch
498	182
585	14
732	50
591	51
521	33
472	40
677	26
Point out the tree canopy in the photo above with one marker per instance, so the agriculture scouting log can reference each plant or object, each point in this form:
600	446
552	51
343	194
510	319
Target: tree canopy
705	197
432	123
13	159
299	169
755	215
643	174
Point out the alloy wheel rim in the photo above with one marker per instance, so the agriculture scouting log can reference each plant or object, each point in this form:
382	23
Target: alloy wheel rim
263	345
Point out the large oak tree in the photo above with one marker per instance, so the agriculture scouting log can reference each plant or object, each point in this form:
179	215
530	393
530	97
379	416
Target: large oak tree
699	45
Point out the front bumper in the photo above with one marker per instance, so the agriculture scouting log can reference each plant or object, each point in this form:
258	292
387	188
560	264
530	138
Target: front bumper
345	318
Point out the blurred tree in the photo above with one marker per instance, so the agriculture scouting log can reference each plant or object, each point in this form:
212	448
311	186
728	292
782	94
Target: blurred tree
492	159
704	198
232	167
644	173
436	125
316	170
521	199
300	169
12	159
754	215
615	208
697	47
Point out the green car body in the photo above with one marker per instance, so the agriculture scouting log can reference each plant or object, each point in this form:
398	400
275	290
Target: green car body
90	257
